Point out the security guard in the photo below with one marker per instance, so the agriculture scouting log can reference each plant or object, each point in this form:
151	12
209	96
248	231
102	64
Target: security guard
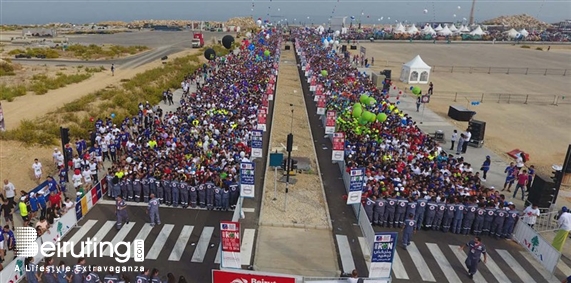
152	185
379	212
448	217
479	220
432	208
498	224
175	192
400	212
192	196
369	205
218	198
420	212
390	212
128	187
123	185
488	219
458	217
209	195
146	185
469	216
510	221
225	199
411	206
138	188
234	193
184	193
439	215
202	195
166	184
121	212
159	187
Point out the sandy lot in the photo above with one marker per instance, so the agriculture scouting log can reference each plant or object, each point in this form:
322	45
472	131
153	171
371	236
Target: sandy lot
539	128
15	159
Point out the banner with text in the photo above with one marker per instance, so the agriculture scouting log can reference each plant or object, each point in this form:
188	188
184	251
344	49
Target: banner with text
223	276
338	147
257	143
330	122
356	186
230	243
383	254
262	115
321	104
247	179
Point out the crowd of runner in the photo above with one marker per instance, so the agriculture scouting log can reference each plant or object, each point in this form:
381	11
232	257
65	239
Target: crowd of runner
406	171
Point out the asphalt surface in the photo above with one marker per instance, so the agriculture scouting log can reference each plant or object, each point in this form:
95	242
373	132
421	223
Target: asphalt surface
202	220
342	216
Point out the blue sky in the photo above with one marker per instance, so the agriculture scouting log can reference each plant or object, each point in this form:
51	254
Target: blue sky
318	11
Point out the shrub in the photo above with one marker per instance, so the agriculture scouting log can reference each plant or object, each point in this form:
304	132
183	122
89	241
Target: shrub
8	93
525	46
539	48
6	69
41	84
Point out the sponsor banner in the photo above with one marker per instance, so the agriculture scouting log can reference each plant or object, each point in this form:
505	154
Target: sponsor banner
330	120
222	276
265	101
91	197
230	244
534	243
312	83
338	147
319	89
247	179
321	104
383	253
257	143
262	115
356	186
270	92
60	227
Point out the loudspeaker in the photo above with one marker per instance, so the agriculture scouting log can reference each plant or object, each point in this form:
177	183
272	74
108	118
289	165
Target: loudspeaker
478	129
387	73
289	142
353	47
567	162
343	48
460	113
164	58
542	192
287	47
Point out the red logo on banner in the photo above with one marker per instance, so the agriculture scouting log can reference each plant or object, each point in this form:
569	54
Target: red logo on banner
330	119
219	276
262	116
339	141
265	102
230	236
321	101
319	90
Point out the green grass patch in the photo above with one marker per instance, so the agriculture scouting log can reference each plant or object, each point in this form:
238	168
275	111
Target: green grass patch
35	52
8	93
6	69
539	48
123	101
41	84
526	46
91	51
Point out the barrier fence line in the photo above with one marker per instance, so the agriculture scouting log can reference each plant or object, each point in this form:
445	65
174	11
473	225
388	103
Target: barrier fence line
502	70
14	271
539	248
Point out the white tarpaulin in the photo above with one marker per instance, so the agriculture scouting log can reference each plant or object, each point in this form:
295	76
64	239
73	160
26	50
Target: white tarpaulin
453	28
412	29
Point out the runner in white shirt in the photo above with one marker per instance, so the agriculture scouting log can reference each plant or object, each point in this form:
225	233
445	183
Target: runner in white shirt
87	180
76	178
60	159
37	167
530	215
55	155
76	162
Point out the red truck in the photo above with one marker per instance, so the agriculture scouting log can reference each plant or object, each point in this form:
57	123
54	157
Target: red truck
197	40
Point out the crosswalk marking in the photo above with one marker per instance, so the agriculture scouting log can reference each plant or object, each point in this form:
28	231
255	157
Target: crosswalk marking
100	235
247	246
443	263
461	255
563	267
546	274
515	266
181	242
217	258
496	270
118	238
78	236
159	242
398	267
420	263
143	234
345	253
202	245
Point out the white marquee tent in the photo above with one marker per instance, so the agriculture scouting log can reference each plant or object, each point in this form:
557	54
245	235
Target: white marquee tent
453	28
512	33
399	29
524	32
415	71
464	29
438	28
428	30
478	31
412	29
445	31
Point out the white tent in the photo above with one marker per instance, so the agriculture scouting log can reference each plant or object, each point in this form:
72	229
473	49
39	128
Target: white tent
438	28
415	71
512	33
478	31
399	29
464	29
524	32
412	29
453	28
428	30
445	31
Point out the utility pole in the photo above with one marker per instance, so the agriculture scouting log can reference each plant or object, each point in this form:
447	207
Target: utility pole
472	13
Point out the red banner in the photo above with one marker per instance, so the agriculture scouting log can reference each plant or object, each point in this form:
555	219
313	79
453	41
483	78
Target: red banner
339	141
313	81
219	276
230	236
330	119
262	113
321	101
319	89
265	102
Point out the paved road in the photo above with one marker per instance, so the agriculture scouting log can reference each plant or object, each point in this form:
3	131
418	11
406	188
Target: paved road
186	243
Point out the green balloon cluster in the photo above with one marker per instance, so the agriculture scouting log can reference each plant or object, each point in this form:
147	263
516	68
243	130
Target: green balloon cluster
364	116
324	73
367	100
267	53
416	90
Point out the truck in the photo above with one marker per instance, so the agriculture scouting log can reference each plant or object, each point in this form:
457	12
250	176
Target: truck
197	40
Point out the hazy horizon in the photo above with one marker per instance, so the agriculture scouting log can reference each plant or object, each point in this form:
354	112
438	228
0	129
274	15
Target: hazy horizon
368	11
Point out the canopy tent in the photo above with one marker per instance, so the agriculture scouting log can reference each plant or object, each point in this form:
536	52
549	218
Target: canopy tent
512	33
524	32
464	29
453	28
412	29
415	71
438	28
428	30
399	29
445	31
478	31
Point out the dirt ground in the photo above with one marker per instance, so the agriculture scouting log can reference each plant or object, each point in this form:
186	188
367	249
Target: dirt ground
24	73
538	128
15	159
305	201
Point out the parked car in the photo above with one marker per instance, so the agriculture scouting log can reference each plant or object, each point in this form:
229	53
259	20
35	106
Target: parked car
23	56
41	56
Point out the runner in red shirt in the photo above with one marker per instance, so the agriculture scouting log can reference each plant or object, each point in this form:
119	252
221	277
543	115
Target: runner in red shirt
55	200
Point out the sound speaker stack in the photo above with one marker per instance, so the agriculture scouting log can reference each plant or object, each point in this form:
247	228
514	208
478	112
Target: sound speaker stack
343	48
542	192
460	113
353	47
478	130
287	47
